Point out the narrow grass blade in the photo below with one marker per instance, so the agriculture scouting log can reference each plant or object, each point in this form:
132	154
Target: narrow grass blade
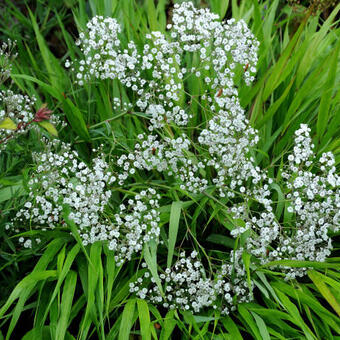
175	214
249	322
66	304
150	257
144	319
294	312
76	119
325	104
324	290
232	328
62	275
168	326
26	283
262	326
127	320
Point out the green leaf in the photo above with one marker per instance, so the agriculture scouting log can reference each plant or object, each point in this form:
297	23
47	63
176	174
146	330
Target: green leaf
280	198
27	282
276	74
74	230
220	7
76	119
127	320
168	326
268	286
274	106
8	124
150	256
38	333
49	127
175	214
55	71
63	273
249	321
307	298
66	304
327	94
246	261
111	274
232	328
93	278
226	241
301	264
294	312
152	15
144	319
262	326
43	86
11	192
18	309
324	290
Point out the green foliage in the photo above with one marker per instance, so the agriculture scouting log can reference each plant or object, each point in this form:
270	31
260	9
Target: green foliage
64	290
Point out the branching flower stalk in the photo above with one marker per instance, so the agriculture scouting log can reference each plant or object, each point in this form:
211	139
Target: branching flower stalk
17	113
6	59
42	114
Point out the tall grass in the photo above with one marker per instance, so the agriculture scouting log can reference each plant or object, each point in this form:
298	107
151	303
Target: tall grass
64	290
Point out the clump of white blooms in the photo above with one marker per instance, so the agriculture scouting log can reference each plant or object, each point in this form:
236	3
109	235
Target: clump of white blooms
61	178
136	224
229	139
104	58
220	47
17	107
119	105
16	113
185	286
170	156
16	110
231	283
6	58
314	202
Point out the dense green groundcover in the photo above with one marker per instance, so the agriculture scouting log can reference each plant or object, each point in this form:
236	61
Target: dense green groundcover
58	283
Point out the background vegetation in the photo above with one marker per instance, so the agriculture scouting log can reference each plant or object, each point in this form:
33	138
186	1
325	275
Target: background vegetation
62	291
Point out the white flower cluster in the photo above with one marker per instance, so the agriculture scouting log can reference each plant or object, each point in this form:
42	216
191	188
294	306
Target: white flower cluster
6	59
104	57
16	110
135	224
314	204
220	48
120	106
313	201
62	179
187	287
229	139
231	283
157	76
167	155
17	107
220	45
159	114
